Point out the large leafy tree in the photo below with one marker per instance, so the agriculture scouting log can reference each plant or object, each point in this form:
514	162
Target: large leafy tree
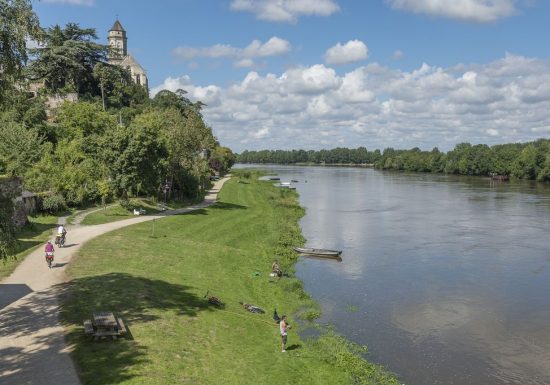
18	24
76	166
168	99
136	158
117	89
222	159
20	147
66	60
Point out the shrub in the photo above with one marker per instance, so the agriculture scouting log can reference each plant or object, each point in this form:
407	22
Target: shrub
54	203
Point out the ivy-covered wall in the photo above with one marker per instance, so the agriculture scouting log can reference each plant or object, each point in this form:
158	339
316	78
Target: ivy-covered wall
12	205
9	189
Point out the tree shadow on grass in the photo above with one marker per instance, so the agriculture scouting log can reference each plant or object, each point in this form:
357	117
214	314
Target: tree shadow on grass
33	229
129	296
134	299
29	341
229	206
217	205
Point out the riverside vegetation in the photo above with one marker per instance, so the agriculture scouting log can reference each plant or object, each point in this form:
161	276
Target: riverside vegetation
519	160
115	143
157	283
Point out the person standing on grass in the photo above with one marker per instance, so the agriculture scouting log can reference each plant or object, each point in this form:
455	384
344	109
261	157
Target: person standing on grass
283	327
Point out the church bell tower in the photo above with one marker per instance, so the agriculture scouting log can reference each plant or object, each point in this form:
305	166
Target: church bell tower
118	43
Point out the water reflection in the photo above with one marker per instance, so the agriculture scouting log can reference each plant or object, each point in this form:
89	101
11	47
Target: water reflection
450	276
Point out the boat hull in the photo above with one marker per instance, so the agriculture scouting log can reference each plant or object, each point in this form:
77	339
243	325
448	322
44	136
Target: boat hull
318	252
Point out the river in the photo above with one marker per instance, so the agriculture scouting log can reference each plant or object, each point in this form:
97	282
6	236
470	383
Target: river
445	278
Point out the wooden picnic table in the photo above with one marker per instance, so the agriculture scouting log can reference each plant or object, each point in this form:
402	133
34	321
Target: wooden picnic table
104	324
104	320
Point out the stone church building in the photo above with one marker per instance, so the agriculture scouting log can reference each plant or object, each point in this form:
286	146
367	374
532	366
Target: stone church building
119	54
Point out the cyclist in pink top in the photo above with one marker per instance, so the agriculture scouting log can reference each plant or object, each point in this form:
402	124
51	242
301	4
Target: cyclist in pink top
49	247
49	253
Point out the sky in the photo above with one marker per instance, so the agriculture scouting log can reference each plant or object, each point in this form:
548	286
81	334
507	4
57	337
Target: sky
312	74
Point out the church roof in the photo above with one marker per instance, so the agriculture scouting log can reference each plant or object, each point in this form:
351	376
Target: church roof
117	27
130	61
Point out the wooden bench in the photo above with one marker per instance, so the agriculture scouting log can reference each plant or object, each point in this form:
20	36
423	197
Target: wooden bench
105	333
88	327
121	326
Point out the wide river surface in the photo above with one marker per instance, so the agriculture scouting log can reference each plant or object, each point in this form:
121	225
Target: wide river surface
445	278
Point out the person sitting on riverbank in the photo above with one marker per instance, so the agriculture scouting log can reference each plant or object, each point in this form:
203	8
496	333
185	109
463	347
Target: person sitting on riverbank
252	308
276	269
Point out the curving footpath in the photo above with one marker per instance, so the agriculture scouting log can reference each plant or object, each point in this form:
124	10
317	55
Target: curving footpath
32	340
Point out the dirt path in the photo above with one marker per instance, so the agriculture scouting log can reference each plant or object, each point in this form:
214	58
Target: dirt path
77	220
32	339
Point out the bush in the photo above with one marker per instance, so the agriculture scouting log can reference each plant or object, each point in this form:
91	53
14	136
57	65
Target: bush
54	203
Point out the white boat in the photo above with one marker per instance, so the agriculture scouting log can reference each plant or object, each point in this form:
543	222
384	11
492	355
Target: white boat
282	184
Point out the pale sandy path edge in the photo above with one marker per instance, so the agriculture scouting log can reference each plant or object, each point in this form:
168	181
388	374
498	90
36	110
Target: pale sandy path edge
33	349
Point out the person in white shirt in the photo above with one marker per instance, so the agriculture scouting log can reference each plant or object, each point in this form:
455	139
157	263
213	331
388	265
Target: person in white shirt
283	327
61	232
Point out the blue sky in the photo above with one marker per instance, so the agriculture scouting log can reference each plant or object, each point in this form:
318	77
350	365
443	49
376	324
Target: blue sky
323	73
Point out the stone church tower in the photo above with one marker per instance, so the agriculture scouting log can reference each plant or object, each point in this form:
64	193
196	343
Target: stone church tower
118	55
118	43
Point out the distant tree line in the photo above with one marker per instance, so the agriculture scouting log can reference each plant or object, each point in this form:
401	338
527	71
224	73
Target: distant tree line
339	155
519	160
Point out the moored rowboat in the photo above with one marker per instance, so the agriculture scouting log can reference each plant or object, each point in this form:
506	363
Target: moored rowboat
318	252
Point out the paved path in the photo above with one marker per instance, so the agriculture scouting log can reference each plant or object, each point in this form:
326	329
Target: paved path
32	340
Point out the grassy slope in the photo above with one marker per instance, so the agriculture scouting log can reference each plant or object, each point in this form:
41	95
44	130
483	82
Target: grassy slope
157	285
117	212
34	235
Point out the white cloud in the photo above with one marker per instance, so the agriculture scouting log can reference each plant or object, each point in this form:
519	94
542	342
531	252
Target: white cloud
209	94
351	52
244	63
467	10
285	10
242	56
507	100
71	2
312	80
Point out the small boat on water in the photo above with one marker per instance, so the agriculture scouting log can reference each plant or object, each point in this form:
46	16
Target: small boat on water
282	184
294	181
502	178
274	178
318	252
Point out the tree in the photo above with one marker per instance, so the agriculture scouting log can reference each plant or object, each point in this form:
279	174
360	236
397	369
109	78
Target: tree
82	120
117	88
18	23
526	165
136	158
222	159
8	242
67	59
20	147
167	99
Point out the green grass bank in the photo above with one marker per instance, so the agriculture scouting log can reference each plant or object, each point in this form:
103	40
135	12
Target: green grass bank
157	281
35	234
